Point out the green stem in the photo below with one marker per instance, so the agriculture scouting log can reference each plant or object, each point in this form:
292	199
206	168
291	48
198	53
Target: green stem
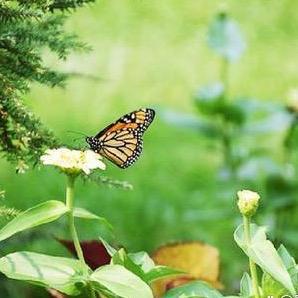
69	204
227	140
224	75
73	231
252	265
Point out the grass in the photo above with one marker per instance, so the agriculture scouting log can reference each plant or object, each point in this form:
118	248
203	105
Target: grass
153	53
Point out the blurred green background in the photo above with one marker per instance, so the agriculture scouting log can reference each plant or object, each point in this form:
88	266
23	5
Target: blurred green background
154	54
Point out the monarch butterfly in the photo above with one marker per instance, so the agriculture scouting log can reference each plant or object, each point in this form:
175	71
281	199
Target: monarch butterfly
121	142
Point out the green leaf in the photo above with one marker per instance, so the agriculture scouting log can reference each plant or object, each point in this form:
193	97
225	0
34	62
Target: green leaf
83	213
196	289
120	281
63	274
143	260
121	258
209	98
143	266
246	286
287	259
189	121
159	272
225	38
290	264
111	250
38	215
263	253
272	288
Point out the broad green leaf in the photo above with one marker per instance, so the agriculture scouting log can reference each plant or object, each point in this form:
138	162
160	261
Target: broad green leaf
189	121
63	274
83	213
142	265
111	250
208	98
272	288
287	259
159	272
120	281
38	215
225	38
121	258
246	286
290	264
143	260
197	289
263	253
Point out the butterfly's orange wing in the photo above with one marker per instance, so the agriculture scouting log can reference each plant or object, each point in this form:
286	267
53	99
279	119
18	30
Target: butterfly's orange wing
121	142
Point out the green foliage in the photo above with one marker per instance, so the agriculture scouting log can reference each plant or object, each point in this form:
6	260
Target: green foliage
263	253
120	282
35	216
225	37
242	126
64	274
128	275
140	264
7	212
27	29
85	214
198	164
195	289
246	290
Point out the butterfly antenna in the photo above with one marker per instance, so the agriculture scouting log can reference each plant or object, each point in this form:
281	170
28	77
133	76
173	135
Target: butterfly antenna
77	132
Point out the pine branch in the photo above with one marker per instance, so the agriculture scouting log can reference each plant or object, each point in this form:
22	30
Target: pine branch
11	14
29	27
99	179
7	212
66	5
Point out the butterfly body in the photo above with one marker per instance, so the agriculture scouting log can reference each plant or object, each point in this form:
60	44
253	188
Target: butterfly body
121	142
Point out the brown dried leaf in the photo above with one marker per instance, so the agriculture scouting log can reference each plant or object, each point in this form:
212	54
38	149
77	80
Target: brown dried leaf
199	260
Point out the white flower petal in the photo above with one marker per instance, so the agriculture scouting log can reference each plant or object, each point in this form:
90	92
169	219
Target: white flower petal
73	160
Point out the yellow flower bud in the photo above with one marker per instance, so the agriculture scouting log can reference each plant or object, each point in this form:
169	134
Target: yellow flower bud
248	202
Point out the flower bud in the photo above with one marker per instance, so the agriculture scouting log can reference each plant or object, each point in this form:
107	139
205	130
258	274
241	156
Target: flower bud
248	202
292	100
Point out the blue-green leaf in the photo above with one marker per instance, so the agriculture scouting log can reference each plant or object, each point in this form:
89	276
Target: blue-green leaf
225	38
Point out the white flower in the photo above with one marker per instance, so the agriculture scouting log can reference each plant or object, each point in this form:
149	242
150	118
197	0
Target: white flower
248	202
73	161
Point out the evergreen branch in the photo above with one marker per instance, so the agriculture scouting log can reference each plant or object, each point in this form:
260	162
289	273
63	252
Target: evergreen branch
11	14
99	179
68	4
8	212
28	29
5	211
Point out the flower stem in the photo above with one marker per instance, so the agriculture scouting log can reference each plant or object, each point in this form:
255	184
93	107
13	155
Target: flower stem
73	232
252	265
69	204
